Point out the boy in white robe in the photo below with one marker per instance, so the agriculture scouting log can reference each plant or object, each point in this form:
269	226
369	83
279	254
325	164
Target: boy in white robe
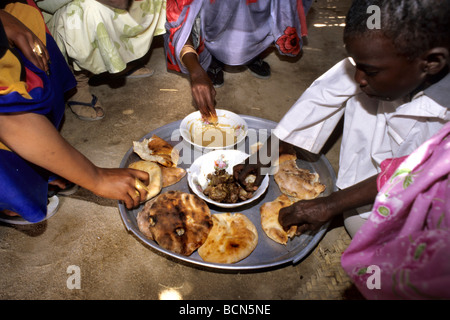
394	94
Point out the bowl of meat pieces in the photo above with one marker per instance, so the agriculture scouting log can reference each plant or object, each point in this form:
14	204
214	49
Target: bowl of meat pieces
211	178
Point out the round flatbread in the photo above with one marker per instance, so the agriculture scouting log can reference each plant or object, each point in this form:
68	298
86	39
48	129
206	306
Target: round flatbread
177	221
154	175
232	238
143	219
269	219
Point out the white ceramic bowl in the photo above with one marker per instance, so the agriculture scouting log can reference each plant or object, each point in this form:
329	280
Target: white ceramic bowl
226	119
205	164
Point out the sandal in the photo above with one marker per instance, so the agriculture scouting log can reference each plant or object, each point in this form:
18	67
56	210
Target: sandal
87	111
52	208
69	189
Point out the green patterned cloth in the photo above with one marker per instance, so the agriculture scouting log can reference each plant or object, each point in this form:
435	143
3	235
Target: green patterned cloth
99	38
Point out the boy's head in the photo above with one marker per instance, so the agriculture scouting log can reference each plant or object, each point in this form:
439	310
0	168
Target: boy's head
398	45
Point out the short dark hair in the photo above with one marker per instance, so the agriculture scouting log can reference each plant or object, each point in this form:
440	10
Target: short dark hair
414	26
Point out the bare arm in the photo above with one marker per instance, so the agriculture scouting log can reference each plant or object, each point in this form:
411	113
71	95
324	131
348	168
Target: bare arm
202	88
307	214
34	138
311	214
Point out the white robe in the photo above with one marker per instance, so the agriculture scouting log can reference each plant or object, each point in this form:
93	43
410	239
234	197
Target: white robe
373	131
99	38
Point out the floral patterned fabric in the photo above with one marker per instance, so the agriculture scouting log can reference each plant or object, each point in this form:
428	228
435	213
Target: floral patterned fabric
100	39
234	31
407	236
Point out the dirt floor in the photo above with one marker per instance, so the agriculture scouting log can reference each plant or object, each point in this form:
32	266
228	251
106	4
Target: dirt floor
88	233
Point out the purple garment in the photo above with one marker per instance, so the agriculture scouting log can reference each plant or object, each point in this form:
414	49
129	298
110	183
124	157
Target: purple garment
406	241
234	31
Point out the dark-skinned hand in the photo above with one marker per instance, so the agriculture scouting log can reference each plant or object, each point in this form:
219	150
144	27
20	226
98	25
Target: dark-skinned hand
25	40
306	214
203	93
242	170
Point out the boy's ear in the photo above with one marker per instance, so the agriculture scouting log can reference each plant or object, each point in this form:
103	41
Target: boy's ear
435	60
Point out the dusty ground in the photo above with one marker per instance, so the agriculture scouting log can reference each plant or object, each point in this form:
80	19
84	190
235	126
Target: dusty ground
88	232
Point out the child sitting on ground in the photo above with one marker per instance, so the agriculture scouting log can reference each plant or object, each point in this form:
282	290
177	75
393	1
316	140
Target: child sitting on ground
393	92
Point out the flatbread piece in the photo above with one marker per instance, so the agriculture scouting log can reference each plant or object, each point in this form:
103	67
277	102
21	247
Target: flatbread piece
298	183
171	175
177	221
269	219
157	150
232	238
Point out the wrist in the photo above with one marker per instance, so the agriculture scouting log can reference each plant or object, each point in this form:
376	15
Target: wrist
94	179
336	204
188	53
196	71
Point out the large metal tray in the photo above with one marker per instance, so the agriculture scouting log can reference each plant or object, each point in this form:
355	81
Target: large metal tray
267	254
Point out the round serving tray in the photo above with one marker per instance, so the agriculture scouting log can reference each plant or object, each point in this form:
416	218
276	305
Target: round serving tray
267	254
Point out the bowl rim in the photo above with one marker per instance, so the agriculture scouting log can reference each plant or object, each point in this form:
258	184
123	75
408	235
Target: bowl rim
184	132
261	189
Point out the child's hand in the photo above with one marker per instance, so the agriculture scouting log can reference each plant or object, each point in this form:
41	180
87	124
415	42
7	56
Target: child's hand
306	214
120	184
243	170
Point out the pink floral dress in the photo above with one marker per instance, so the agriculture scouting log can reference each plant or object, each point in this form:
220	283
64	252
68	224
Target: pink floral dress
403	250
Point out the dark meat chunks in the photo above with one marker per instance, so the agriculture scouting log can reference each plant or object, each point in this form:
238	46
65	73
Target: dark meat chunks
223	188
